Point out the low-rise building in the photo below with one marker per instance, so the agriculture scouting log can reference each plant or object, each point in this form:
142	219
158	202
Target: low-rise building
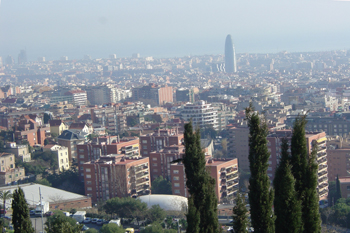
62	155
20	151
9	174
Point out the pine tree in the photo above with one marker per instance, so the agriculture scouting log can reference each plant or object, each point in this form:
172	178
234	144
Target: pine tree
338	191
310	208
287	205
203	201
240	215
20	216
260	193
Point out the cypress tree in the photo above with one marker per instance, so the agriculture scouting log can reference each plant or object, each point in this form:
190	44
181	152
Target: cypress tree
287	205
240	215
304	170
338	191
260	193
299	154
310	208
20	216
203	200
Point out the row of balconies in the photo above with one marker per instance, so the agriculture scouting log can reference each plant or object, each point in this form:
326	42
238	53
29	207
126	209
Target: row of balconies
322	167
320	174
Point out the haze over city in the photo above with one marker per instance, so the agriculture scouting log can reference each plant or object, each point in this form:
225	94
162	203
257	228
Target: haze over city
169	28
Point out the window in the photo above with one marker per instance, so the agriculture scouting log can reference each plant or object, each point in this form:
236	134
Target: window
81	150
176	178
154	159
144	141
89	189
88	176
61	154
176	184
81	162
145	152
88	182
11	166
81	168
10	176
154	164
176	171
155	170
88	170
81	156
144	147
177	191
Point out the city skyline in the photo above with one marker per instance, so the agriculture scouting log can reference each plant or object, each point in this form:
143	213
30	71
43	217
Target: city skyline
103	28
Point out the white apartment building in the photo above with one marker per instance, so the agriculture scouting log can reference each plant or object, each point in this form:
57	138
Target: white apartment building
62	155
201	113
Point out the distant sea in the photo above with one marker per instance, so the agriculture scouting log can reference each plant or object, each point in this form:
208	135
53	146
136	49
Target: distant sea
183	47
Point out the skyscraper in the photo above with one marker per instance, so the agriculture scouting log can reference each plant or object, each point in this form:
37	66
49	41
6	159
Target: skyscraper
22	57
230	56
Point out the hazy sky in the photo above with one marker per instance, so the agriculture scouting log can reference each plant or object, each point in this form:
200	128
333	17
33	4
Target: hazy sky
166	28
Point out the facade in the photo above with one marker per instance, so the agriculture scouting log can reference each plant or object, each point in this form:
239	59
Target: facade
160	161
30	131
230	56
224	171
338	163
238	146
274	147
62	156
9	174
344	186
57	126
153	94
158	140
20	151
201	114
129	147
115	176
78	97
70	139
185	95
109	118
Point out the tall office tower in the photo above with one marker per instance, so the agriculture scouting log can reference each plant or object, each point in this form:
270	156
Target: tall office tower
22	57
230	56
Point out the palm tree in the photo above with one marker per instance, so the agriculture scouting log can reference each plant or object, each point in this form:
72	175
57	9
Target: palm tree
5	195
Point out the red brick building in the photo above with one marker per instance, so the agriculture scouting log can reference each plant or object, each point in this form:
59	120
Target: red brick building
105	146
274	147
116	176
224	171
159	139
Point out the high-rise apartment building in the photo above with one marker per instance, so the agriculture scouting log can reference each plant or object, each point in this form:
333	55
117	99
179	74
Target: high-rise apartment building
159	139
185	95
110	118
201	114
153	94
22	57
230	56
128	147
116	176
78	97
224	171
238	145
274	147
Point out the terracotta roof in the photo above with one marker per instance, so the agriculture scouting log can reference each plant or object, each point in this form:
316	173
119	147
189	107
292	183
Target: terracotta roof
55	122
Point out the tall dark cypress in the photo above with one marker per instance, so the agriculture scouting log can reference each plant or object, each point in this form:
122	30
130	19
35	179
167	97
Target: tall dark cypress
287	205
299	155
240	215
338	191
311	215
304	170
20	216
200	184
260	193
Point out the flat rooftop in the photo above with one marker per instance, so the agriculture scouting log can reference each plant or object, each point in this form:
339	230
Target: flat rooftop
48	194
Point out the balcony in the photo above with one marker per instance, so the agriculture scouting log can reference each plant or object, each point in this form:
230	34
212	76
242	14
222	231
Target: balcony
141	175
322	168
323	179
323	173
231	177
231	171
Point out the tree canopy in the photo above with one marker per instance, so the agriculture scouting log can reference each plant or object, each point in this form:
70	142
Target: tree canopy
20	215
161	186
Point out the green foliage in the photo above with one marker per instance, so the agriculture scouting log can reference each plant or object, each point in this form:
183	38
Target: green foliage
338	190
208	132
59	222
20	216
46	141
156	214
5	195
47	117
261	195
112	228
157	228
68	180
286	203
338	215
36	167
304	170
161	186
203	202
92	136
91	230
126	207
240	215
43	182
332	192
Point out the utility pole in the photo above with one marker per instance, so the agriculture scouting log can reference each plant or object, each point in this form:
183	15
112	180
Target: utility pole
41	204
